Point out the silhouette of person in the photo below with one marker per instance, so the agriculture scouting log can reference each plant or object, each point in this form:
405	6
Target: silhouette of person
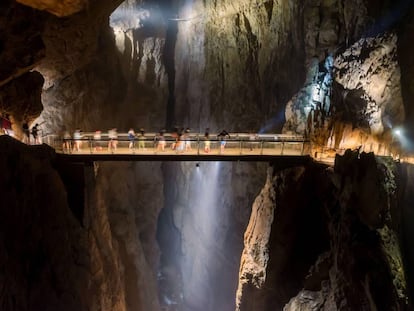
35	133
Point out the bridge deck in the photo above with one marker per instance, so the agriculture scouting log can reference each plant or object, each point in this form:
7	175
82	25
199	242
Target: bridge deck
239	148
289	159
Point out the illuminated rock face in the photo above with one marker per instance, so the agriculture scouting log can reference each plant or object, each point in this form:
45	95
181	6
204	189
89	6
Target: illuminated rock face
237	63
227	64
368	72
334	246
351	99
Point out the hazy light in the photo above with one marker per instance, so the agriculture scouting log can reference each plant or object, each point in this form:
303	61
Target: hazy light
397	132
202	217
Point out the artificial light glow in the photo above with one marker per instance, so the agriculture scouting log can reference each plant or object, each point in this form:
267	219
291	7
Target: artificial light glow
397	132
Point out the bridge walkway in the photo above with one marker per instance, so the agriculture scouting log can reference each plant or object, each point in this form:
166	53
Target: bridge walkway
240	147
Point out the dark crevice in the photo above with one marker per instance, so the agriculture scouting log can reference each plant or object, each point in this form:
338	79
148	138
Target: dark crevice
169	61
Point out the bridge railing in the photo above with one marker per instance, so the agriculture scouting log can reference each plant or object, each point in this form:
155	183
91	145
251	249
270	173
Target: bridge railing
238	143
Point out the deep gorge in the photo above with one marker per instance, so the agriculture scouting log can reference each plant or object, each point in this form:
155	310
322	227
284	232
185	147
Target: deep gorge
221	235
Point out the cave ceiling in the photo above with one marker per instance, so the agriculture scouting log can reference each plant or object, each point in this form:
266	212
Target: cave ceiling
267	55
63	8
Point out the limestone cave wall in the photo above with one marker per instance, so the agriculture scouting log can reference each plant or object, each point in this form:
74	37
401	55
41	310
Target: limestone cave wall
51	258
339	245
141	241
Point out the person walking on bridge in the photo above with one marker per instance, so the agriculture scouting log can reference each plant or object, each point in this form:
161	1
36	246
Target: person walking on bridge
113	140
131	137
77	136
222	137
160	139
207	142
141	139
67	145
97	136
187	139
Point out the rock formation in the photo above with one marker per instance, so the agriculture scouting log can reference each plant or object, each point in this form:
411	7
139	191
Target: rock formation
59	8
137	239
51	260
337	245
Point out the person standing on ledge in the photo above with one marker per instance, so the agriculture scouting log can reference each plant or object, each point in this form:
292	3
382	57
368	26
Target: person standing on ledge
35	134
222	137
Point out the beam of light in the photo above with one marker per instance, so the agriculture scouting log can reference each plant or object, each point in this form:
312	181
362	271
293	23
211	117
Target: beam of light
402	139
185	19
275	122
201	222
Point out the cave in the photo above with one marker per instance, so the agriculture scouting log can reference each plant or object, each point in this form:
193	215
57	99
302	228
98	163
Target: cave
331	231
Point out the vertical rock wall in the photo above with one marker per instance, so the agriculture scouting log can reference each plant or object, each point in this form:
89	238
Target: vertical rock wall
130	194
234	66
344	254
237	59
50	259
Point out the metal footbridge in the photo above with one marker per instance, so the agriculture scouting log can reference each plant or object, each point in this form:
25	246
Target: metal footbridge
192	147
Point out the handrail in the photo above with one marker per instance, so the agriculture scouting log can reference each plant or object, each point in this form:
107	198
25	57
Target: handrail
196	137
238	143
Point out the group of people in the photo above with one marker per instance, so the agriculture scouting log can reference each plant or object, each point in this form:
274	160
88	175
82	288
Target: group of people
75	144
132	136
28	133
181	140
34	132
5	125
